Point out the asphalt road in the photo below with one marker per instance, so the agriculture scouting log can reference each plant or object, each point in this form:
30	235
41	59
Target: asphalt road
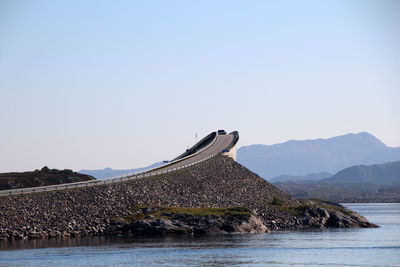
221	142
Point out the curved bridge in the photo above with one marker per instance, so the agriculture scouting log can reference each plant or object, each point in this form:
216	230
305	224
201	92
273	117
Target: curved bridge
216	143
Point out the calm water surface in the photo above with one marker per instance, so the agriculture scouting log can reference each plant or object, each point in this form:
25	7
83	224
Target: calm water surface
344	247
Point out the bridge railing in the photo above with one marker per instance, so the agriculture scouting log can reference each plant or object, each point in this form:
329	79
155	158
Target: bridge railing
164	165
135	176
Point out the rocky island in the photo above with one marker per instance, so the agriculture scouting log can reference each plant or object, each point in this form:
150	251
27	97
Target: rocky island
42	177
216	196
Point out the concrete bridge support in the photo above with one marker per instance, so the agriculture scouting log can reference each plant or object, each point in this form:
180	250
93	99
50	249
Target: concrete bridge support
232	153
232	148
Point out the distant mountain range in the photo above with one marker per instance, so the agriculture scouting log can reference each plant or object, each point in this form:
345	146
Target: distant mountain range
308	177
302	157
374	183
387	174
109	172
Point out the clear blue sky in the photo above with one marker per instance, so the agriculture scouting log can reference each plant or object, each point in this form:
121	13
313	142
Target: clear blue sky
122	84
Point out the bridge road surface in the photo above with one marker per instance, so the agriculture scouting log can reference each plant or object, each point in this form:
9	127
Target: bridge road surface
221	142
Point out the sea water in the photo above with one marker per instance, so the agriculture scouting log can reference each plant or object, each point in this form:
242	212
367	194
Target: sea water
333	247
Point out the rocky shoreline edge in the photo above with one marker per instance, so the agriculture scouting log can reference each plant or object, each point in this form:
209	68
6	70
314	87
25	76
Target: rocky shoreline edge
204	199
152	221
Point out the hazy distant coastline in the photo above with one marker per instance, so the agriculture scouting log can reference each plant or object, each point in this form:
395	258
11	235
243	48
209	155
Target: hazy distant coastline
109	172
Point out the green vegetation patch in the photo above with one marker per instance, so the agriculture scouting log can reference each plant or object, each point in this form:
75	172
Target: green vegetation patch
143	212
276	201
300	209
295	210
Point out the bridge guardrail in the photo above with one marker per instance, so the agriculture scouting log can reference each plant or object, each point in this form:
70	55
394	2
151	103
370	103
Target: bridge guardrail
103	181
164	165
98	182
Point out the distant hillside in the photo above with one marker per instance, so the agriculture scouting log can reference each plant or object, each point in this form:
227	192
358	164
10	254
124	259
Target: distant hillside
45	176
314	156
341	192
375	183
378	174
108	172
308	177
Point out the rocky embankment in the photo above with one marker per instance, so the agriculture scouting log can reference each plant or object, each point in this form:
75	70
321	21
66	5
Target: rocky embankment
217	183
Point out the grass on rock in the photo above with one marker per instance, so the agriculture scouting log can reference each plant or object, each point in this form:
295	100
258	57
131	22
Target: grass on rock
143	212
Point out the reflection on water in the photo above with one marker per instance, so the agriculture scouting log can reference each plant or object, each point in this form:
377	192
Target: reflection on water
354	247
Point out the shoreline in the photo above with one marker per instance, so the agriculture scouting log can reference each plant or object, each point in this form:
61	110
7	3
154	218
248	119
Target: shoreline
218	183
